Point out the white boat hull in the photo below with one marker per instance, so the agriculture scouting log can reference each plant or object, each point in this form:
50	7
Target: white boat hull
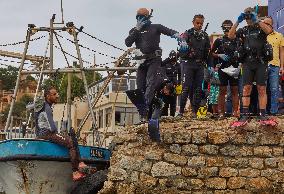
36	177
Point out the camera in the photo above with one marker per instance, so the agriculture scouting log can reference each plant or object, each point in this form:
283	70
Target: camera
248	16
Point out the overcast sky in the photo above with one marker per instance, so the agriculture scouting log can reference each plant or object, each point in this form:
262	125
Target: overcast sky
109	20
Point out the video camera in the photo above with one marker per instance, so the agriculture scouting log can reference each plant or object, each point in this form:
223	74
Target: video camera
248	16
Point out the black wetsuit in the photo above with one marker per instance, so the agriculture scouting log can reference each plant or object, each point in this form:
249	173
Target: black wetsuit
159	101
232	48
172	71
192	67
254	64
148	73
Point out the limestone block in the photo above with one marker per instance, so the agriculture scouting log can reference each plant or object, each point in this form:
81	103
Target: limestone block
249	172
196	183
236	182
188	172
216	183
263	151
148	181
230	150
218	137
164	169
256	163
206	172
182	137
190	149
228	172
175	158
259	183
215	161
196	161
271	162
154	154
175	148
117	174
278	151
209	149
199	137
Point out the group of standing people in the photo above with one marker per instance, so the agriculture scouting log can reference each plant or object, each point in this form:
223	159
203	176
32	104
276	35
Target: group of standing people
242	58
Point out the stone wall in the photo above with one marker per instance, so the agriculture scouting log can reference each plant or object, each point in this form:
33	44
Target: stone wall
198	157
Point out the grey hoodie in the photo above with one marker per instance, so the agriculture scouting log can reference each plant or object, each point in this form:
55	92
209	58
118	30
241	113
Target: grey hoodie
44	118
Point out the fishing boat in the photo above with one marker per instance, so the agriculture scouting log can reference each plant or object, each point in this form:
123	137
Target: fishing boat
35	166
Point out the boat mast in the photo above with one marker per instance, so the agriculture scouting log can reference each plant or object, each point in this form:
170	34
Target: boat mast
28	37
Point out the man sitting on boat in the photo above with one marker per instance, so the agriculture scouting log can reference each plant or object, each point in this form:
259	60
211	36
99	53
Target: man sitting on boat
46	129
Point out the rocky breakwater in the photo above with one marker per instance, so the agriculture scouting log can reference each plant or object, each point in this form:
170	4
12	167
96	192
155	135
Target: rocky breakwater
198	157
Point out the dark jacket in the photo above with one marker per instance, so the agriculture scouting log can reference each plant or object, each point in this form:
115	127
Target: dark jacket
172	70
199	45
254	40
232	48
148	39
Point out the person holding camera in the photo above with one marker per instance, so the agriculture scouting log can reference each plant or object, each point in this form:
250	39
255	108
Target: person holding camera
193	61
227	53
146	37
275	67
257	54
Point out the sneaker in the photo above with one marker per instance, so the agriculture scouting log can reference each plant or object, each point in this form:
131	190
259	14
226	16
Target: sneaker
222	116
215	116
266	121
243	120
227	114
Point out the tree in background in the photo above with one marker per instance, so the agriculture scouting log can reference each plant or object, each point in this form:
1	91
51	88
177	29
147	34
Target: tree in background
19	108
8	76
60	81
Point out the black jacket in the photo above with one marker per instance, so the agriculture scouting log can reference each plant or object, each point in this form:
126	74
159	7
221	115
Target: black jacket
199	45
148	39
172	70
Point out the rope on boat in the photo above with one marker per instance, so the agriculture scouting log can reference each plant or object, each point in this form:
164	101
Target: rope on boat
101	40
85	47
21	42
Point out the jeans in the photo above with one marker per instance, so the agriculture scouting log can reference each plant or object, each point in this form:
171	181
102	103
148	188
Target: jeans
67	142
273	88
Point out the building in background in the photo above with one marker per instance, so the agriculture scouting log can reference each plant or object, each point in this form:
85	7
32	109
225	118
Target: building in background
214	36
276	11
26	88
113	111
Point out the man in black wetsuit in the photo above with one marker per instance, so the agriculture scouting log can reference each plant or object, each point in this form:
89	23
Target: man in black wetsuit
257	54
146	37
193	61
172	71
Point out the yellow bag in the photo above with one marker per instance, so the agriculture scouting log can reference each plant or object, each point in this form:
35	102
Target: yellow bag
202	112
178	89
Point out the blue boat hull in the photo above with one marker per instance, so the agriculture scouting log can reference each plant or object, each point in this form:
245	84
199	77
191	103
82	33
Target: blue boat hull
38	166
